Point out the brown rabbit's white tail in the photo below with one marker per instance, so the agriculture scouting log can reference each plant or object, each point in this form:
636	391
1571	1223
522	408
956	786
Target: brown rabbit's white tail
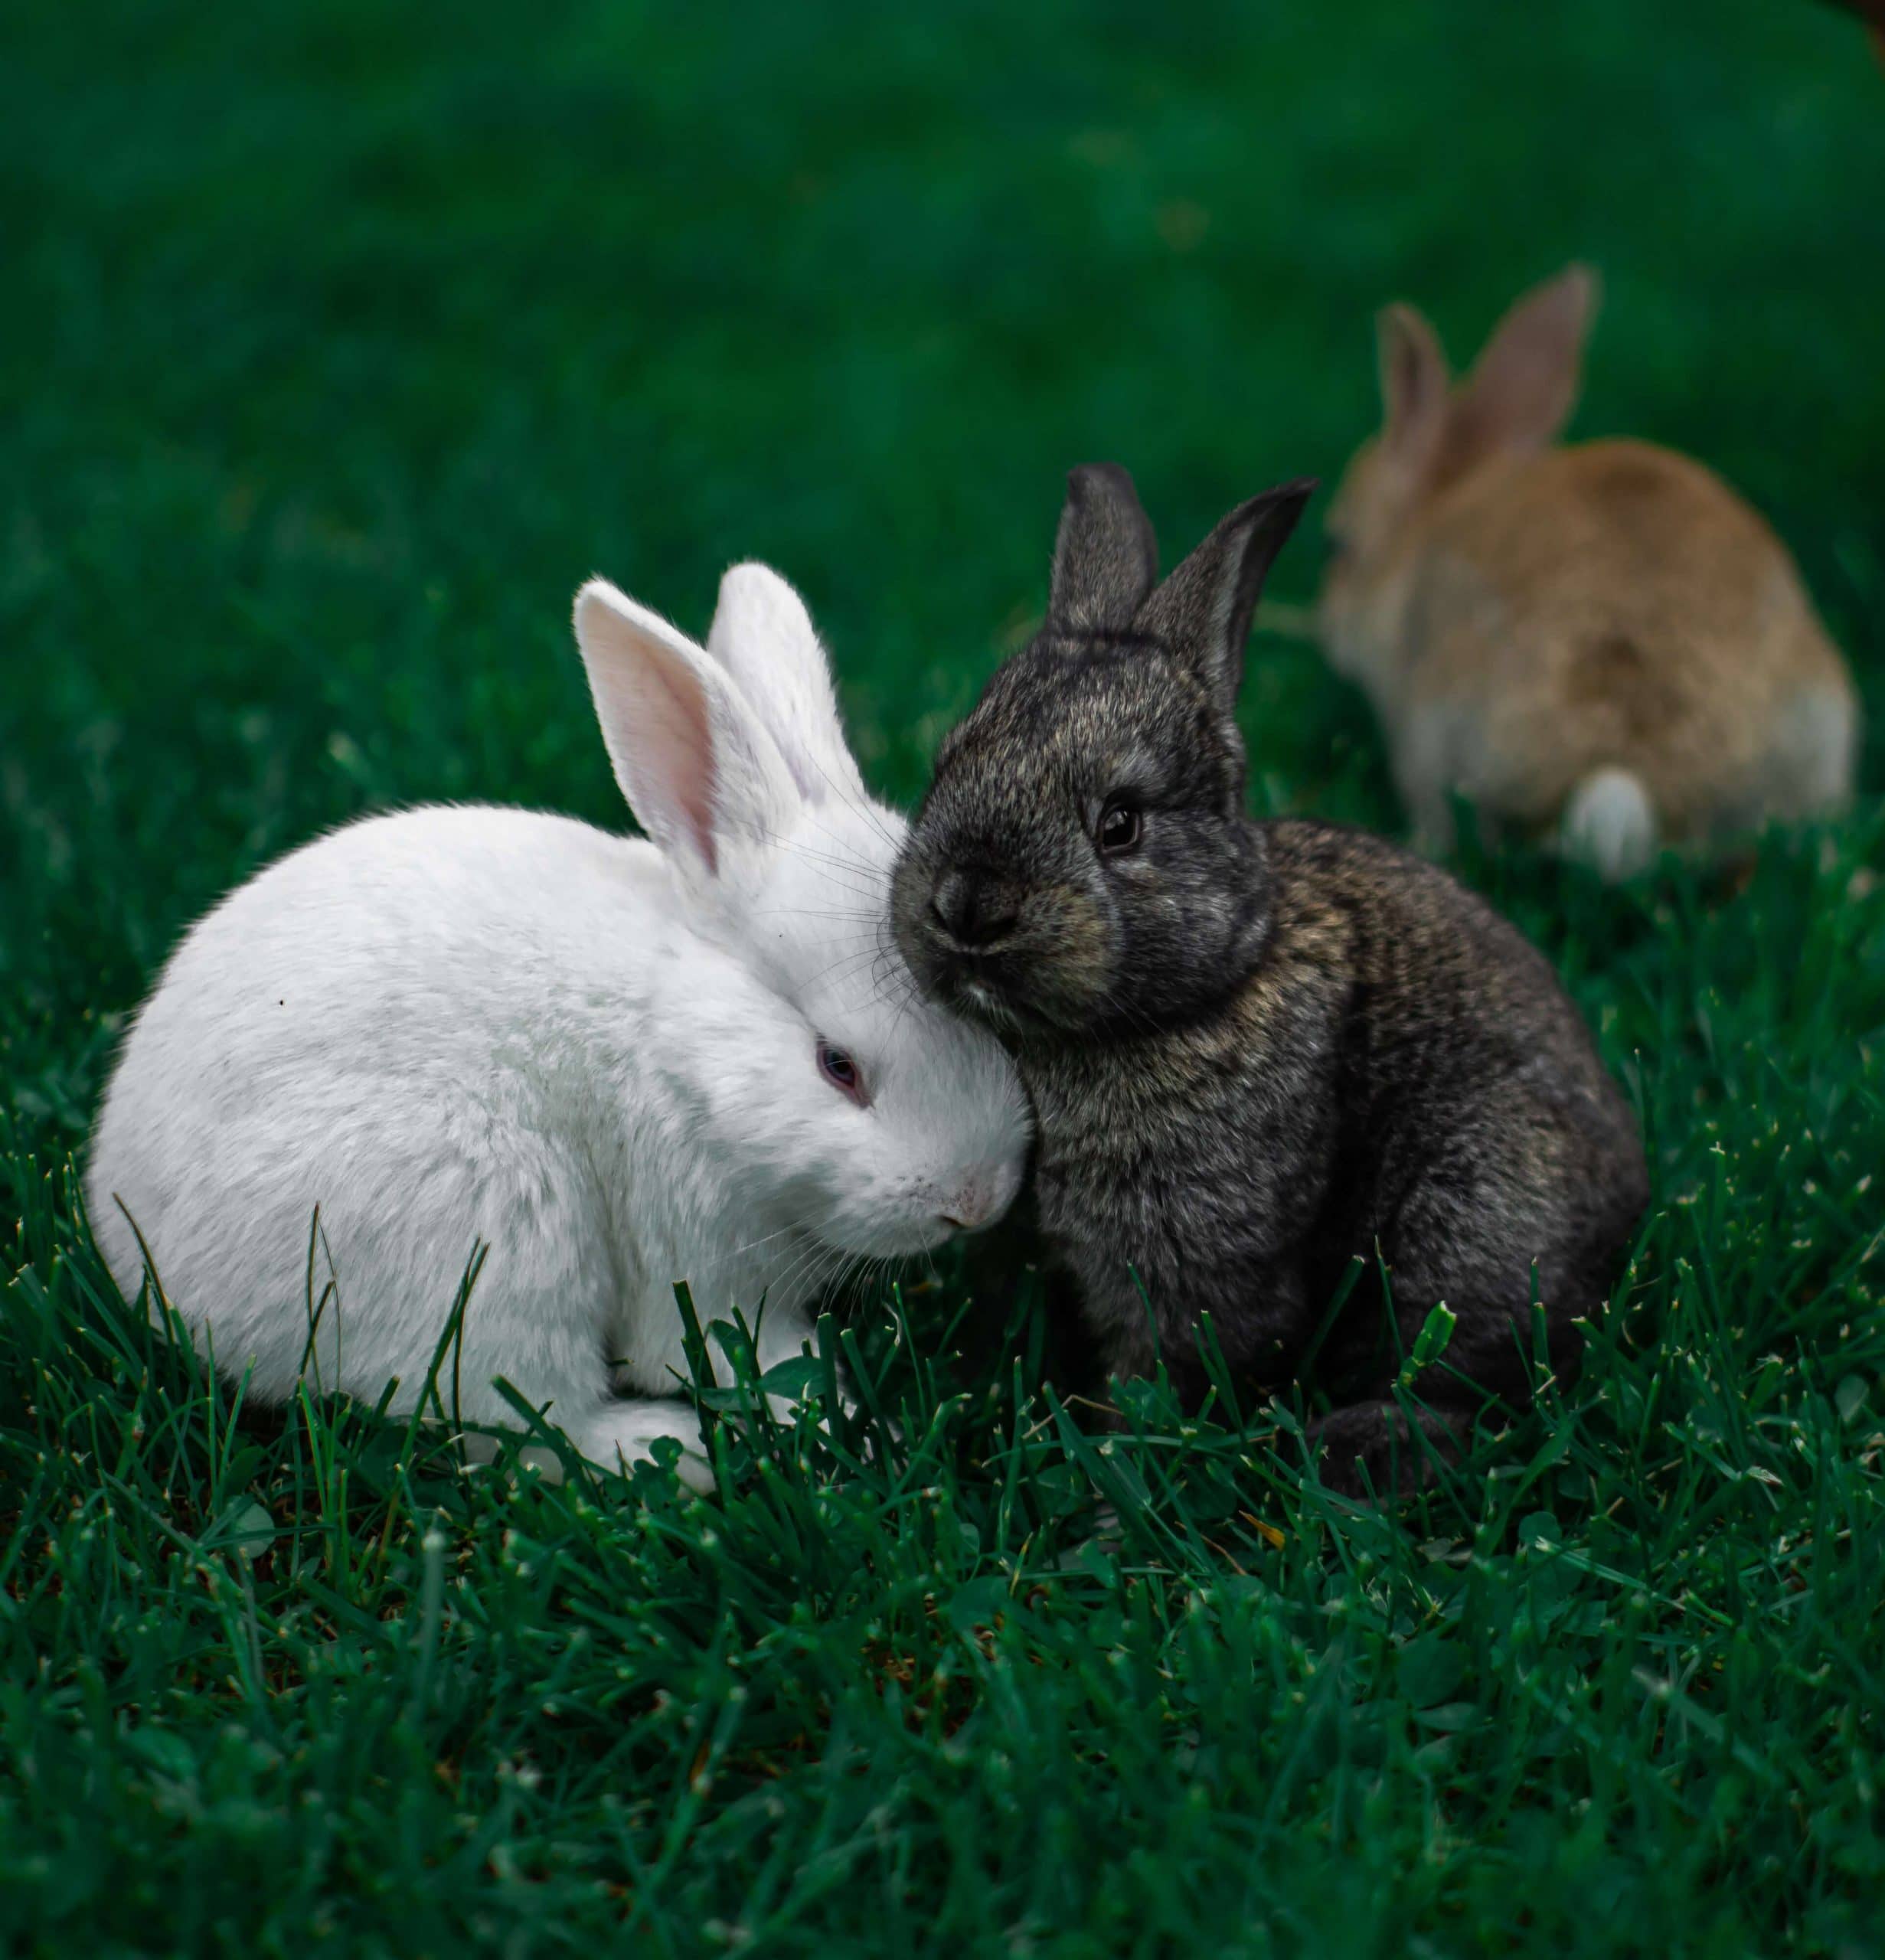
1609	824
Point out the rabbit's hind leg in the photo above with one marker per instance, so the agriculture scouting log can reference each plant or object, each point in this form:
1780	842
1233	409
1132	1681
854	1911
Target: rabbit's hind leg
1809	765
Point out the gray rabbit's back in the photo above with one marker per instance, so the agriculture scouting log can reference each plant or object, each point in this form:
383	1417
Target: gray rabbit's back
1400	1071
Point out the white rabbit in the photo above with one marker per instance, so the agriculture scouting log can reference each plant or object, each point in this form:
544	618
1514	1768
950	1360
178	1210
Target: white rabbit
614	1063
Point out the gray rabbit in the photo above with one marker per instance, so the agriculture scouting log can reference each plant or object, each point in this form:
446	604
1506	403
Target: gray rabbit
1258	1052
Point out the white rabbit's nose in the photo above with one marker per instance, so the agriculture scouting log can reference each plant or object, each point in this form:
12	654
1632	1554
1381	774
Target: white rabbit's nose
979	1201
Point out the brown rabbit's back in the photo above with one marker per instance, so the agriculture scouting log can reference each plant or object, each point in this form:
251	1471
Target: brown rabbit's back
1611	605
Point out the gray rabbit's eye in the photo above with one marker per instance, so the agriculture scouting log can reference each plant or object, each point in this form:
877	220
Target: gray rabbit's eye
1120	826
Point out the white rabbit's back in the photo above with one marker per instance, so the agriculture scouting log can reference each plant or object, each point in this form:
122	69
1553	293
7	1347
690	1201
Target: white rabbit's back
396	1024
612	1065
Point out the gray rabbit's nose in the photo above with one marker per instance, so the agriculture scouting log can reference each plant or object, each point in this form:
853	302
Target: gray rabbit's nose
976	911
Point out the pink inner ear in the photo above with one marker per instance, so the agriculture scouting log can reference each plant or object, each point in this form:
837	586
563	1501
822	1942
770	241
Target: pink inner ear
1415	384
1523	386
683	738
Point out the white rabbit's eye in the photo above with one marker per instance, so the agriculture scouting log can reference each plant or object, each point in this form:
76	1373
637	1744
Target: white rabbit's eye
1119	828
841	1073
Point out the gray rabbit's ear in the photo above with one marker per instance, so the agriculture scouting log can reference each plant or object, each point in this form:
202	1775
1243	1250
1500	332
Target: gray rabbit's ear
1105	555
1202	611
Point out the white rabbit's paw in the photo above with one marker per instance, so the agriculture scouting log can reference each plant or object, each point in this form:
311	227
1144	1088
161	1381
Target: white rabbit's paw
623	1435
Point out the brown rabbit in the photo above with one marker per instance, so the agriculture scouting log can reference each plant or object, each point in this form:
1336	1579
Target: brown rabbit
1601	646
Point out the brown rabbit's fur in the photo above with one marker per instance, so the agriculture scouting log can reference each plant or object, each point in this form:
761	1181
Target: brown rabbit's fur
1533	622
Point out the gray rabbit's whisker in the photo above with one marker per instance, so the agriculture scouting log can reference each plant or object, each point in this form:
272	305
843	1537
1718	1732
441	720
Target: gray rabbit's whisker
840	859
857	809
866	919
844	872
844	969
844	882
861	806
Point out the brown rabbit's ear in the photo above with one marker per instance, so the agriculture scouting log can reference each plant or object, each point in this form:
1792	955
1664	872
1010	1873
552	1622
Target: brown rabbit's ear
1414	383
1202	611
1105	555
1523	386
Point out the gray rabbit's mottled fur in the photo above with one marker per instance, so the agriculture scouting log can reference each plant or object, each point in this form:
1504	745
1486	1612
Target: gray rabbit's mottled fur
1258	1052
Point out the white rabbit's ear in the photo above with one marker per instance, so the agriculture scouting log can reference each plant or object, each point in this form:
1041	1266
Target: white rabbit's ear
764	637
698	770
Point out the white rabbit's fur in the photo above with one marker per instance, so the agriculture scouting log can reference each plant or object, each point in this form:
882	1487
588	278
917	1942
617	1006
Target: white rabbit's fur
595	1057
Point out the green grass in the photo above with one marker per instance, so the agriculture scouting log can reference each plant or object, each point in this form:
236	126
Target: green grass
339	343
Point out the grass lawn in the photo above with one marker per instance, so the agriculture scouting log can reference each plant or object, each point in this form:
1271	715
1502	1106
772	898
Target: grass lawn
340	341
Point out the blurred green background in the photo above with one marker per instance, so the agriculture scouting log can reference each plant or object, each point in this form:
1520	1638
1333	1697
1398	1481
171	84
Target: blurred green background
339	342
342	341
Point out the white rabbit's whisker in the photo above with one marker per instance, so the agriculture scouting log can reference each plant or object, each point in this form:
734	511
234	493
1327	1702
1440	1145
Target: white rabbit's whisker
590	1054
